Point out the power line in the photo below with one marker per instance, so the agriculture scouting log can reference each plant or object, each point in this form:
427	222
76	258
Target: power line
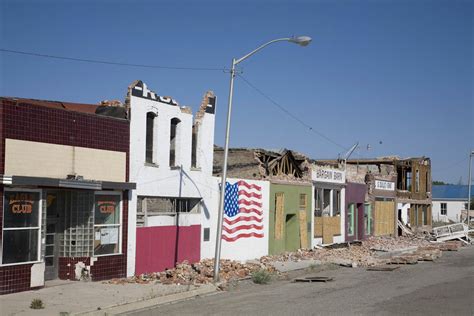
297	119
94	61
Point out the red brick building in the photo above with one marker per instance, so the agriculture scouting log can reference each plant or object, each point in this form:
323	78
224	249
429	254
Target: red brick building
64	192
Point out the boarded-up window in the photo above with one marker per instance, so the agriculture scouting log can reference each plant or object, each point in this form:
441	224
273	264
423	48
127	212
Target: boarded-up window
303	226
303	201
279	214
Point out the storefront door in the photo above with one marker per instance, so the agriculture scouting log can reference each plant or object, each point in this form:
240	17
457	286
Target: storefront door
53	220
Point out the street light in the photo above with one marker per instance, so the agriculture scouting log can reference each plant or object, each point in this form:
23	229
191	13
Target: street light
300	40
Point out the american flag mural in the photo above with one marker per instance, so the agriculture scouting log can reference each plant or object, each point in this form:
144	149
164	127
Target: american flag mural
243	213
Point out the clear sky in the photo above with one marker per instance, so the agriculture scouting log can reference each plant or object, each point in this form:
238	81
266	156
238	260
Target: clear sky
395	75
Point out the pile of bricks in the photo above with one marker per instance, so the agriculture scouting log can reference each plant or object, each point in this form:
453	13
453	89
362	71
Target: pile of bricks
363	254
203	272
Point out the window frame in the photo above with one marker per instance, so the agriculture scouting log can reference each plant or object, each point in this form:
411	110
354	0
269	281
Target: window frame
445	209
368	206
417	181
153	127
175	141
352	222
39	228
120	224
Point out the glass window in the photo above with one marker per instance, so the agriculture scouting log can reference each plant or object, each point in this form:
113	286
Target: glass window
194	145
336	203
167	205
327	202
20	227
318	203
350	219
368	218
21	209
417	181
150	119
107	224
174	136
444	209
107	209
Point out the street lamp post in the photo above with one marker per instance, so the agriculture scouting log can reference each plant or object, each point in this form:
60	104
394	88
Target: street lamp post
300	40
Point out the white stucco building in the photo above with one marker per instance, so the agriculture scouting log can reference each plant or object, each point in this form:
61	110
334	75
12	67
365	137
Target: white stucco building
449	201
171	160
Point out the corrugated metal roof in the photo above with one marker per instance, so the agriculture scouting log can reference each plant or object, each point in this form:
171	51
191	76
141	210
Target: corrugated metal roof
451	192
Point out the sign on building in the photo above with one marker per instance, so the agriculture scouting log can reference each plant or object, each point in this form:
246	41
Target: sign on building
328	175
384	185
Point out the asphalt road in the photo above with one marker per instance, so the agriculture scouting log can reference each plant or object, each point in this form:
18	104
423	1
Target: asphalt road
444	287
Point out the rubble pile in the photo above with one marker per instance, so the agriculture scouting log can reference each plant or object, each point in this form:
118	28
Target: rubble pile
203	272
401	250
197	273
392	244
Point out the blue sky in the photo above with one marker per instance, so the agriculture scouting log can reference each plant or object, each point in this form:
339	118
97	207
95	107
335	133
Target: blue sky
397	75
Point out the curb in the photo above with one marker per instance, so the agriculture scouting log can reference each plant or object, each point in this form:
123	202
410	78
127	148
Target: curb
149	303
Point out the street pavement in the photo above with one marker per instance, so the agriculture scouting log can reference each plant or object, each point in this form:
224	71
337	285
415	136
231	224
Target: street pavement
444	287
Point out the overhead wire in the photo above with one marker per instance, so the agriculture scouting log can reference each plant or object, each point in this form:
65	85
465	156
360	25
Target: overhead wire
95	61
259	91
293	116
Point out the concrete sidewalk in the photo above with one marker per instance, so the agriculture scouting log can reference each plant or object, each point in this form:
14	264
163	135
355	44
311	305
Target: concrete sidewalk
96	298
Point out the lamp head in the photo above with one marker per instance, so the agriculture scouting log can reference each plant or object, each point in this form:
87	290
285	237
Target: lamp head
300	40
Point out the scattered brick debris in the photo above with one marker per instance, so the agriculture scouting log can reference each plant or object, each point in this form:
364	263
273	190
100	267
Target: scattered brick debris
405	249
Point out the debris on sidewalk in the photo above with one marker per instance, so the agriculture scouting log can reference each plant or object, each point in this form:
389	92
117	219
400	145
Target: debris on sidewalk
402	250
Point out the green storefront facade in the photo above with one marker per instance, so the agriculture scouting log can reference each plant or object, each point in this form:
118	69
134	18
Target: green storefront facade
290	217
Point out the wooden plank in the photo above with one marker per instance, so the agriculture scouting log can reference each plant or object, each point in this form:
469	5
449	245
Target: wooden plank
303	229
279	214
318	226
384	218
382	268
314	279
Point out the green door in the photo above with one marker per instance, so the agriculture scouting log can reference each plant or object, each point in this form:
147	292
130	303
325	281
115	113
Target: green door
292	233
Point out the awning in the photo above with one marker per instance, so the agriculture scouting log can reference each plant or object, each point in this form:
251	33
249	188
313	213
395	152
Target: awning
67	183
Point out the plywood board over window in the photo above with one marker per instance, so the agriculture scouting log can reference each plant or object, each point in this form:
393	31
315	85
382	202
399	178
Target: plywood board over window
384	221
279	214
302	221
303	229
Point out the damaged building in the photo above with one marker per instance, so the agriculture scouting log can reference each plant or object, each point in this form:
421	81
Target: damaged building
170	160
64	188
329	181
398	190
290	196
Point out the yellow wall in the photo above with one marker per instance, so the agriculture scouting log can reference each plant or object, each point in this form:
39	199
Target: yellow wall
34	159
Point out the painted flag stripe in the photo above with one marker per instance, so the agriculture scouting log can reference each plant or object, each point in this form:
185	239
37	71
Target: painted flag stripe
250	195
243	219
242	227
230	239
250	186
249	203
250	210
